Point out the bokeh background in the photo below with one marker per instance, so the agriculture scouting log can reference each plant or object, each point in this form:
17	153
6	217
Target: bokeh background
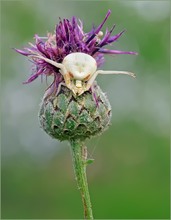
129	178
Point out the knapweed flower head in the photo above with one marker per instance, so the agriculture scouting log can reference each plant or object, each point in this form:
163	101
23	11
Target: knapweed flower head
73	106
50	54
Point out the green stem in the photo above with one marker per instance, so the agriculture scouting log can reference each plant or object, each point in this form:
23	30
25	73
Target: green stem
79	154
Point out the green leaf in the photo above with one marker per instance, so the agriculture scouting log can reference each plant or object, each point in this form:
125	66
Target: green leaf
89	161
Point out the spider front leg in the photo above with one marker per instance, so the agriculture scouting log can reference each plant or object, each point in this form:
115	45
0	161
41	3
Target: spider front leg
91	80
61	66
67	79
116	72
94	75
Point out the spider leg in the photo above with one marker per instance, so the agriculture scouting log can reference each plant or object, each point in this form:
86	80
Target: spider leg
61	66
116	72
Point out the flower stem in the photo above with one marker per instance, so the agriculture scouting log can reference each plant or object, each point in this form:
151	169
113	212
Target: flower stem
79	155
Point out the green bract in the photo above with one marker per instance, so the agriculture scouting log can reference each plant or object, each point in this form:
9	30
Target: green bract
66	117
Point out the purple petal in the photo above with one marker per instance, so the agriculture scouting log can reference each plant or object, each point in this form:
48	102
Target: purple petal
22	52
99	27
114	38
32	78
107	51
99	59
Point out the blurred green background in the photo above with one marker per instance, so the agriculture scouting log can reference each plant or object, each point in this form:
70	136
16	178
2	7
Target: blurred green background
129	178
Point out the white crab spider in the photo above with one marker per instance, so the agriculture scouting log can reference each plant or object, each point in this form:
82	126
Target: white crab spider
79	71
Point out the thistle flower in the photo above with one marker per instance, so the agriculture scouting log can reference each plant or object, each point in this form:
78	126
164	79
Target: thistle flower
69	37
73	107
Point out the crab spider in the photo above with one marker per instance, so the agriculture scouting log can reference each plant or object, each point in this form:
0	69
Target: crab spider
79	71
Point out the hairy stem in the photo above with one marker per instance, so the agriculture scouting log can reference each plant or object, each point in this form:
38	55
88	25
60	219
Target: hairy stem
79	155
